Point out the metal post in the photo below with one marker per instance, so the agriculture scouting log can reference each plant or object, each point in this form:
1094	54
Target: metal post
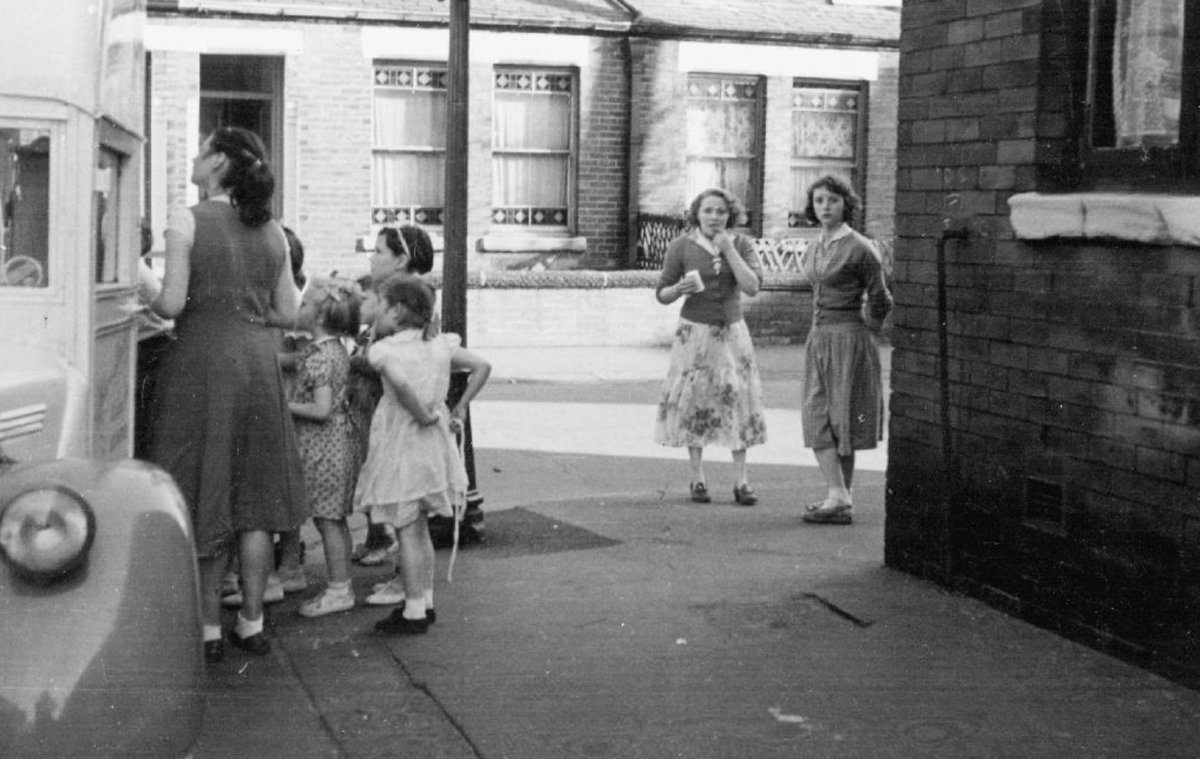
454	226
454	223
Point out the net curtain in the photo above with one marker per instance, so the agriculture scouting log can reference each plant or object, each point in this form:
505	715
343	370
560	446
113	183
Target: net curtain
414	124
1147	72
531	136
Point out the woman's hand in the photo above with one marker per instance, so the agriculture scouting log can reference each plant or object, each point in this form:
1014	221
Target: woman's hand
724	242
433	415
689	283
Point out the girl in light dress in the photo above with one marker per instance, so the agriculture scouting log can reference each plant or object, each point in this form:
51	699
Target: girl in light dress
413	467
325	431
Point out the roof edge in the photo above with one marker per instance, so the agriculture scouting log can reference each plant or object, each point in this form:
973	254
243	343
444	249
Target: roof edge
301	12
840	41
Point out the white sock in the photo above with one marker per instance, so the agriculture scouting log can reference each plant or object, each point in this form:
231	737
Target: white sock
429	599
212	632
245	627
414	608
340	587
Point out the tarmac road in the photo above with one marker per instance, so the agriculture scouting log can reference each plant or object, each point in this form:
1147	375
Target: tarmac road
608	616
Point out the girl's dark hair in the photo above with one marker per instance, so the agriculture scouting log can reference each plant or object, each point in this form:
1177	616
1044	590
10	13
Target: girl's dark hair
339	304
297	251
414	241
414	293
837	186
249	180
737	211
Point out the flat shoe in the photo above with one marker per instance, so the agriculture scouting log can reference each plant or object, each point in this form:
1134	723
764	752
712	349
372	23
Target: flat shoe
214	652
376	558
700	493
818	513
387	593
256	644
398	624
743	495
329	602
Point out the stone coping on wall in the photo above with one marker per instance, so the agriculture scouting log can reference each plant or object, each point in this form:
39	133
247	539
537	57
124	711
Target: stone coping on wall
587	279
1153	219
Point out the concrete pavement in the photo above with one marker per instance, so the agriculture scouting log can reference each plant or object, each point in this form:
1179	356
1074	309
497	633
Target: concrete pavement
608	616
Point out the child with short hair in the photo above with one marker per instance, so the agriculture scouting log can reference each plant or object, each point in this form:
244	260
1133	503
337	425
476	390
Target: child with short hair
413	467
325	431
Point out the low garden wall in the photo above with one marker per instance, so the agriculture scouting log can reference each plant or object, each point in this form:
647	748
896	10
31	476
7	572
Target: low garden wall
611	308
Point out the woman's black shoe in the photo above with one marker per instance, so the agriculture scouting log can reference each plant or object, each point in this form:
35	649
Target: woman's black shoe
700	493
398	624
214	652
256	644
744	495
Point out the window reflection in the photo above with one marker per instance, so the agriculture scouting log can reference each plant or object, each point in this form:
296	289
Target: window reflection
107	205
25	212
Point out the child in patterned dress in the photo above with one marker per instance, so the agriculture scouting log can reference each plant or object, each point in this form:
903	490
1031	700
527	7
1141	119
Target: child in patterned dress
413	467
325	431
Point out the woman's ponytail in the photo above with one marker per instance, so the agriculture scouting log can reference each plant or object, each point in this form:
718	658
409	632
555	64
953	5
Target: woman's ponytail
249	180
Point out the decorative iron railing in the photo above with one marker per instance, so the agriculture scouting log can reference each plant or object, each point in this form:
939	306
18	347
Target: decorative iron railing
656	231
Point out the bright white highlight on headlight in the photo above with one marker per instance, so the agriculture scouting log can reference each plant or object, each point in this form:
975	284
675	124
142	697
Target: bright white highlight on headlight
45	532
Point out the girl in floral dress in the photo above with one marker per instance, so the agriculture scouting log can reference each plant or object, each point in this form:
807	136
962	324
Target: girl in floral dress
326	432
413	467
712	394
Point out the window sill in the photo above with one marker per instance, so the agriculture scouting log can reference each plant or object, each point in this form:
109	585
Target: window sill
518	242
1152	219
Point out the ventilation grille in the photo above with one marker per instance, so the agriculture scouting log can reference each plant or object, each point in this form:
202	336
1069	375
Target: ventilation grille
1043	501
19	422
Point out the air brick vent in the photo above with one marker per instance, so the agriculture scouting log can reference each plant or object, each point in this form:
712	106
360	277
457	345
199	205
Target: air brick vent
1043	501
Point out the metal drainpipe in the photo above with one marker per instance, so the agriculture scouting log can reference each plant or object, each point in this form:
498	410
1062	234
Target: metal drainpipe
950	492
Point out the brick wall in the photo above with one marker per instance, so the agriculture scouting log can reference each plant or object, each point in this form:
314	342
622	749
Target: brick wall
604	155
880	199
592	308
1071	494
174	82
328	90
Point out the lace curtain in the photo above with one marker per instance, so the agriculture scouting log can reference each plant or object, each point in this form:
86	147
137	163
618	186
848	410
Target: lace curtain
717	127
1147	72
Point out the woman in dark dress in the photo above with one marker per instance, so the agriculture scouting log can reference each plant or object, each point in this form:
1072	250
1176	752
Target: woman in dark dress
222	426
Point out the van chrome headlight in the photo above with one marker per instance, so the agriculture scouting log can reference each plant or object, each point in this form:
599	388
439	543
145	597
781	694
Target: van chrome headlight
45	532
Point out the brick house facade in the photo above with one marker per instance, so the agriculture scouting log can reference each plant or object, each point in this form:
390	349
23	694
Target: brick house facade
1043	450
311	74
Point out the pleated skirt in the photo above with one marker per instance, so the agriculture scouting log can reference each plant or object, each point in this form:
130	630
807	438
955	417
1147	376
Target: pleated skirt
842	391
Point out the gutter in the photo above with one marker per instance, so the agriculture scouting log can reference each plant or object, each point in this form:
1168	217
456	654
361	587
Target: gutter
799	39
343	13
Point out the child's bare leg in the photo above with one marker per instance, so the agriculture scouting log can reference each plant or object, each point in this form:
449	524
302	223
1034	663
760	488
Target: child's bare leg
416	565
335	536
289	551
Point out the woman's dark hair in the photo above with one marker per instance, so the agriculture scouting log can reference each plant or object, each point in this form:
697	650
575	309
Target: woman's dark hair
249	180
297	250
737	211
414	293
339	304
838	187
414	241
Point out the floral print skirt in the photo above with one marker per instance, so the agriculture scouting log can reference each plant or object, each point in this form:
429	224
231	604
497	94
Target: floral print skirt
712	394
